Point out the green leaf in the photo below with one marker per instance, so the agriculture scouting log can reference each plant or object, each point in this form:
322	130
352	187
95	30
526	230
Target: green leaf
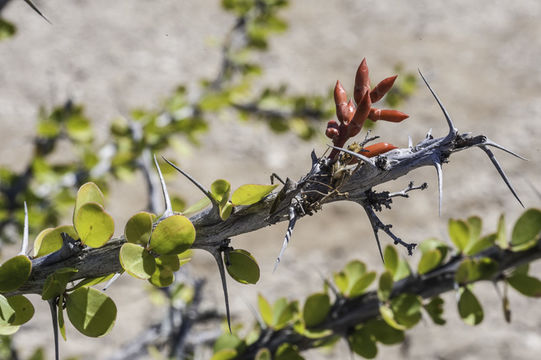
79	129
475	225
435	309
263	354
429	261
88	193
526	285
481	244
287	352
14	272
50	240
137	261
7	317
283	312
226	211
460	233
388	316
527	230
7	29
265	309
60	316
229	341
138	228
198	206
55	284
362	344
474	269
390	256
433	243
383	332
93	225
242	266
24	310
385	286
91	312
501	238
407	309
173	235
315	309
402	271
251	194
469	308
220	190
164	275
7	312
362	284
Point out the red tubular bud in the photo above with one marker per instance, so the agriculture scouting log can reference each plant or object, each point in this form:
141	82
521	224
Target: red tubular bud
340	99
360	115
382	88
377	149
362	82
387	115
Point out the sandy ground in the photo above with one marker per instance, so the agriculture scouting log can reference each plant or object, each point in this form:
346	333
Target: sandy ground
481	57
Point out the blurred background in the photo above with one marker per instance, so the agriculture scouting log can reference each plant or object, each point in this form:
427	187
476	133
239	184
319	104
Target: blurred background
482	58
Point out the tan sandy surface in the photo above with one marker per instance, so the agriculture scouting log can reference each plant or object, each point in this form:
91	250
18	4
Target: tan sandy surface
482	57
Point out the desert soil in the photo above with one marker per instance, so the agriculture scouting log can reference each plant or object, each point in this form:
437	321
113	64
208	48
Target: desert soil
482	57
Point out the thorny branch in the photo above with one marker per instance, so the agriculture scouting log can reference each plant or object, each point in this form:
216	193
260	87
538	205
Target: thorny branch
347	313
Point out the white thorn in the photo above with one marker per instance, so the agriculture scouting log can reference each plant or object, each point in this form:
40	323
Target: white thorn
410	142
358	156
437	164
452	129
489	142
429	133
111	281
168	208
501	172
25	232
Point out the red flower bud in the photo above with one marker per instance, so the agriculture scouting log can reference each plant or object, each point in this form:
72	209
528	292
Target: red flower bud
387	115
382	88
377	149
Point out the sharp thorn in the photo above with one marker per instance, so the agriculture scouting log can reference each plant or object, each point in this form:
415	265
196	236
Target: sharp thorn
112	280
35	8
25	231
501	172
54	316
314	157
357	155
287	237
437	165
489	142
373	222
220	263
195	182
168	208
429	134
452	129
410	142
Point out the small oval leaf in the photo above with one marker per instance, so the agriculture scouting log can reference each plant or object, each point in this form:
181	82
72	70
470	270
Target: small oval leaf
527	230
459	233
526	285
315	309
250	194
220	190
14	272
138	228
242	266
24	310
173	235
87	193
90	311
469	308
137	261
50	240
430	260
93	225
385	286
390	257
